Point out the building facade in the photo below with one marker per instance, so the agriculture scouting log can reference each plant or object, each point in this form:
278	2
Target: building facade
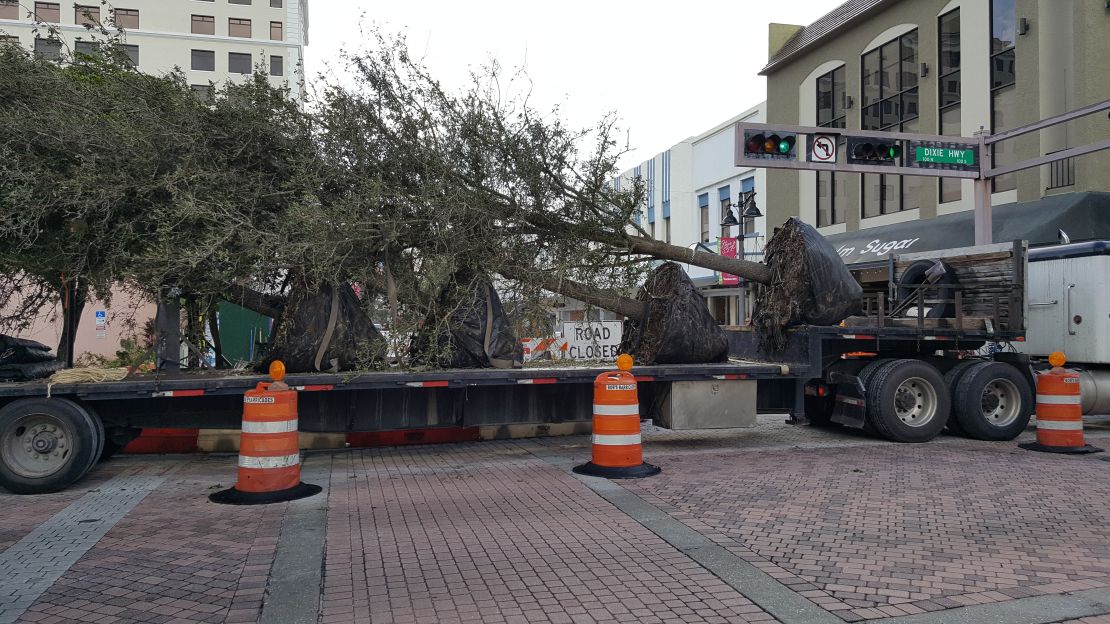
690	188
210	41
951	67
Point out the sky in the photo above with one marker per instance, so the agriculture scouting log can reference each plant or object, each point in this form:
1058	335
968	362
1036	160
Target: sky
668	70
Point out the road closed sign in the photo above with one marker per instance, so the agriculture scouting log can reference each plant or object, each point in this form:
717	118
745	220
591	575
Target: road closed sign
594	340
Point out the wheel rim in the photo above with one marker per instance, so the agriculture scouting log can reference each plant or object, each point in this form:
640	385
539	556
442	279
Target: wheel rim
915	402
34	446
1001	404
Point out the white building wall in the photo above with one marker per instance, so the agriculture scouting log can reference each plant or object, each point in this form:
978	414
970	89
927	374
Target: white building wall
165	40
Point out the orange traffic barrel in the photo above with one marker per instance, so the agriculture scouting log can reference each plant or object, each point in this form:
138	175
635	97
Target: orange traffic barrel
269	455
1059	411
617	450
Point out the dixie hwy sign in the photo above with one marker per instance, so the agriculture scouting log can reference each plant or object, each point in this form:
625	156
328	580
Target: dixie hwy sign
944	155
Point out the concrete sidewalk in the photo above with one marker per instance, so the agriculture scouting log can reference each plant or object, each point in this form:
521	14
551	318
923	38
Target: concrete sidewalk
775	523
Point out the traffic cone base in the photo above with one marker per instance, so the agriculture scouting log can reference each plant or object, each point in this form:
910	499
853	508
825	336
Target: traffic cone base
1066	450
610	472
232	496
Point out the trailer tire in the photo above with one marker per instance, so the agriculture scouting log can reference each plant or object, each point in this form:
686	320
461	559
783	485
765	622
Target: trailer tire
907	401
992	401
951	378
46	444
915	275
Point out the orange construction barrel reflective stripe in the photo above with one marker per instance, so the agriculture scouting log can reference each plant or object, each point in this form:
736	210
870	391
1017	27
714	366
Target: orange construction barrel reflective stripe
269	457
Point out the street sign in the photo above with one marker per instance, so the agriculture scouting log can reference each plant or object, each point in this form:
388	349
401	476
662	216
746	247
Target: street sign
942	155
822	149
101	319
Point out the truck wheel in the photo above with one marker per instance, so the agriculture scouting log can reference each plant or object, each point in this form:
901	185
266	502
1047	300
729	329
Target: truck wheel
951	378
992	401
907	401
45	444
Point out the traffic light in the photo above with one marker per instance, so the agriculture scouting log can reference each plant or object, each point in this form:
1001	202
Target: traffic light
872	151
770	145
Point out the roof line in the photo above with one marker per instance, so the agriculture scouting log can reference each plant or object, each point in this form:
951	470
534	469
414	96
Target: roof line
825	26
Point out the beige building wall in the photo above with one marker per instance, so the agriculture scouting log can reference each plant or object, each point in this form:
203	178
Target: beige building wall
1060	66
165	40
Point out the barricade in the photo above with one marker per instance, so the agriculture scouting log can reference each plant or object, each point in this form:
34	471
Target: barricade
1059	411
617	447
269	456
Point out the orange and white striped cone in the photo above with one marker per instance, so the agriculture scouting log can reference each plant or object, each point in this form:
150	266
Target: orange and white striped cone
1059	411
269	456
617	449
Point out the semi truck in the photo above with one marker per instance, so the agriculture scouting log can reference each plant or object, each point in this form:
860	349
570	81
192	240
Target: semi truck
947	340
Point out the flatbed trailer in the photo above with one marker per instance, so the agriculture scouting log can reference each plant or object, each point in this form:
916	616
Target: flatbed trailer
901	376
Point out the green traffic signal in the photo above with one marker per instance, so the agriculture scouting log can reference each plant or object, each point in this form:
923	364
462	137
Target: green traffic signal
786	145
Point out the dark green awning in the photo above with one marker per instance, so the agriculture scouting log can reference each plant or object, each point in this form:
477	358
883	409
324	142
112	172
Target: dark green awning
1083	216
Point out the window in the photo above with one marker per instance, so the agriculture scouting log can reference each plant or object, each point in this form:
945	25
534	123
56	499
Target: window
949	189
889	94
1003	89
277	66
651	230
238	63
703	210
831	113
723	195
203	25
49	49
666	229
275	4
127	18
204	93
238	27
238	1
86	48
50	12
9	9
9	40
86	15
203	60
132	52
275	31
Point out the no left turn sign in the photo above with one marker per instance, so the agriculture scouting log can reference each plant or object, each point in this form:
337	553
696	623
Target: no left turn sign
822	149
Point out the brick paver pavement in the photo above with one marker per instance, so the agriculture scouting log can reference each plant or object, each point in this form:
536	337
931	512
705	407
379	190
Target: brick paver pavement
501	532
490	533
900	529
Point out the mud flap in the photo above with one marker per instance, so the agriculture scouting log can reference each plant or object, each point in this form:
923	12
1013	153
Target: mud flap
851	401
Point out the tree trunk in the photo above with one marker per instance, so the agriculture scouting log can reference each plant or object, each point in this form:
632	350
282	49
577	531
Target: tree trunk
747	269
74	293
267	305
601	298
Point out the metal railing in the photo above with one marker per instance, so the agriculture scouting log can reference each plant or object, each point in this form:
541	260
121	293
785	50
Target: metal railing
1061	173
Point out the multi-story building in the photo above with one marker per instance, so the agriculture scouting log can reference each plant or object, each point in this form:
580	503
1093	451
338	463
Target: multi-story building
211	41
951	67
690	188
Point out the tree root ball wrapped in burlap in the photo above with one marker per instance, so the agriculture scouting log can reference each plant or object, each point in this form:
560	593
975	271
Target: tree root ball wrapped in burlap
677	327
810	285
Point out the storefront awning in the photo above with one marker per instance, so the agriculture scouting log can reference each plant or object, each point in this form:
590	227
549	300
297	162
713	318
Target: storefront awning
1083	216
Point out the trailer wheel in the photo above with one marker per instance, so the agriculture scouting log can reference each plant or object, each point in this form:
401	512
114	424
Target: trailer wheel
951	378
45	444
907	401
993	401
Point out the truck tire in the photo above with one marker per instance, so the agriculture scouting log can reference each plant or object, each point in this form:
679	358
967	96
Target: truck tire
915	275
45	444
101	436
992	401
951	378
907	401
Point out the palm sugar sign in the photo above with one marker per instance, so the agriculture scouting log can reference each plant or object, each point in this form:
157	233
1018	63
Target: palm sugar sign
593	340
